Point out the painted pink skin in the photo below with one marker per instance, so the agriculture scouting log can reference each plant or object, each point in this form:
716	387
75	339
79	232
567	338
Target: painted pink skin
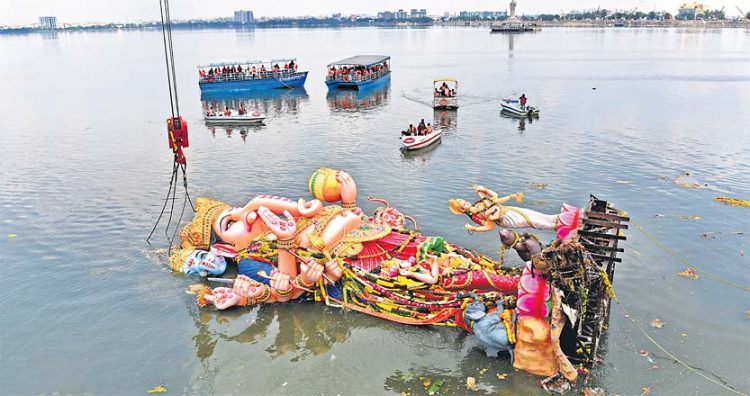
223	298
533	293
348	187
283	228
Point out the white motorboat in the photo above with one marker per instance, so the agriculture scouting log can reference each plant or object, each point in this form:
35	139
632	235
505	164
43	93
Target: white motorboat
234	119
513	107
415	142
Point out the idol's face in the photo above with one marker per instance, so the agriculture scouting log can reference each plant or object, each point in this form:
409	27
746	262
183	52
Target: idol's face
204	263
238	228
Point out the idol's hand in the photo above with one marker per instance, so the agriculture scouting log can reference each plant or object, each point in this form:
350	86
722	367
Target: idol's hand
246	287
348	187
333	270
280	281
312	272
309	208
282	228
223	298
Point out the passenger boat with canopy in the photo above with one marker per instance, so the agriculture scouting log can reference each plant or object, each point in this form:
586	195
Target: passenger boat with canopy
250	75
445	94
359	72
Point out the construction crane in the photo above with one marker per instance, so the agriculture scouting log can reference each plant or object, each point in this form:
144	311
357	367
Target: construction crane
742	13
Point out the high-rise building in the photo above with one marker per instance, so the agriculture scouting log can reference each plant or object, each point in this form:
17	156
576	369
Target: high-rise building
243	17
48	22
386	15
690	11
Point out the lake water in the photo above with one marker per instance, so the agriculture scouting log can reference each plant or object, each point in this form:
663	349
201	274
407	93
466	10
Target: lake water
90	308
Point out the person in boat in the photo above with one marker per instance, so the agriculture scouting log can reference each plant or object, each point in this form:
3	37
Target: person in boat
428	130
522	100
242	110
490	211
412	130
292	65
210	112
421	126
262	69
227	112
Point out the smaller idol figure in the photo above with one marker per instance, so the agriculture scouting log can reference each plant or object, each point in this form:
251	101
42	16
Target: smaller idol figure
490	211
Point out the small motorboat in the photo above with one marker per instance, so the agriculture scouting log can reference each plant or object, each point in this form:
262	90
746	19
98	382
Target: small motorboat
234	119
513	107
416	142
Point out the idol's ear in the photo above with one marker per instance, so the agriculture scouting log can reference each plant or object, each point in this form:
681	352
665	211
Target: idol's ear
223	250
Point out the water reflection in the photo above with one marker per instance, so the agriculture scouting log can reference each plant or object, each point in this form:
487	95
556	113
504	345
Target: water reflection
446	119
296	329
348	100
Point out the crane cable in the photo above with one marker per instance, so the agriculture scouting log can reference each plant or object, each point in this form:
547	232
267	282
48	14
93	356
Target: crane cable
166	26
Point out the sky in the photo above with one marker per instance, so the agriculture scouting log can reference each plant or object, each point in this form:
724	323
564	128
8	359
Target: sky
26	12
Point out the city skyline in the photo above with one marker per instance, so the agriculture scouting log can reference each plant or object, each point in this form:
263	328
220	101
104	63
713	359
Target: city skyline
16	12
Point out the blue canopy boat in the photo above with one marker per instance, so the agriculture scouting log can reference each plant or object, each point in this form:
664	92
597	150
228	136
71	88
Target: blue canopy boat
250	75
359	72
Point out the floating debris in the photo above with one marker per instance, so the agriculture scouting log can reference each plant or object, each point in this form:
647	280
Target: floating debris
691	217
643	353
645	390
502	376
689	273
157	389
538	185
594	392
12	235
408	376
659	215
713	235
471	384
625	181
747	314
657	324
426	381
435	387
482	371
687	181
733	201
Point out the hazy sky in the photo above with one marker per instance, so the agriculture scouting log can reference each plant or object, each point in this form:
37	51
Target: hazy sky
23	12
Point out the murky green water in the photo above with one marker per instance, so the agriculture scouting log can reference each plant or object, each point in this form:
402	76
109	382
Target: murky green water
90	308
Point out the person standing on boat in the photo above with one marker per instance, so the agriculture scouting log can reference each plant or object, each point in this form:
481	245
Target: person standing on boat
421	126
522	100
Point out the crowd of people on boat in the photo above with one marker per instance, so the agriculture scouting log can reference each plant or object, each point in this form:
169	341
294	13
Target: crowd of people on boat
237	72
358	73
420	130
227	112
444	91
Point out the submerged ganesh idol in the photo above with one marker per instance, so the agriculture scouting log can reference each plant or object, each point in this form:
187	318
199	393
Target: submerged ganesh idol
286	249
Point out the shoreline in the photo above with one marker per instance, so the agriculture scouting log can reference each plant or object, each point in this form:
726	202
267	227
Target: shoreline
699	24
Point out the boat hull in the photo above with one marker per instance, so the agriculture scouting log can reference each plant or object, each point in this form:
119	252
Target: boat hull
261	84
237	120
418	142
444	103
359	85
515	110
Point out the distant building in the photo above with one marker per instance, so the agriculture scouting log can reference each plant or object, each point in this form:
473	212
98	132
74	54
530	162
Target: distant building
336	15
401	14
415	13
48	22
243	17
386	15
483	14
690	11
